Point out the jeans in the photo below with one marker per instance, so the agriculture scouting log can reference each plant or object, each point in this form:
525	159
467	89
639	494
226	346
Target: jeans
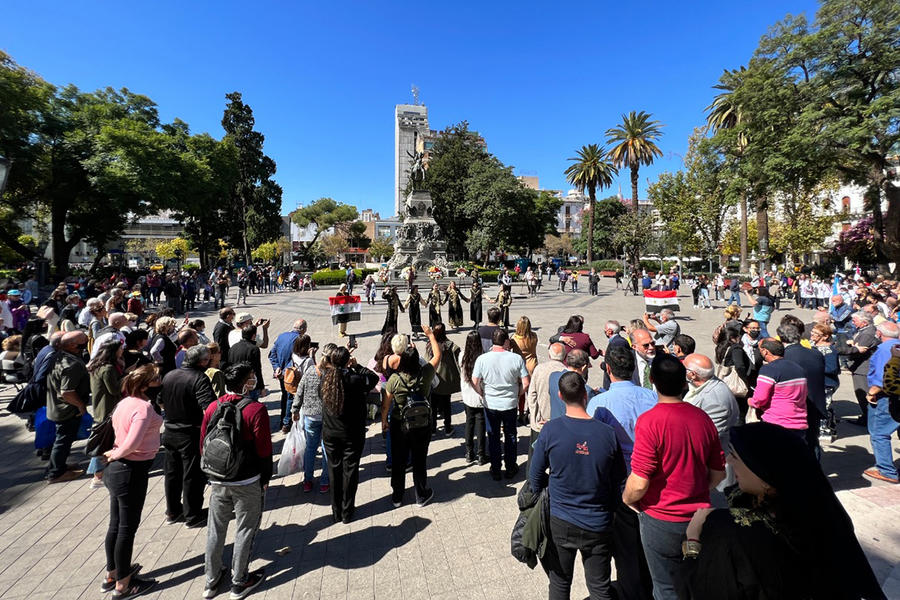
242	293
97	465
285	404
344	453
763	329
313	431
662	547
881	428
183	478
595	548
440	402
506	418
244	504
704	298
66	432
475	428
402	445
735	297
126	481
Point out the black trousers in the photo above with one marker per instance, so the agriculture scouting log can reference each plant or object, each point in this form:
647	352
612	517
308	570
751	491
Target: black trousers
860	389
593	289
343	468
505	454
184	480
475	429
440	403
413	443
632	574
126	481
595	548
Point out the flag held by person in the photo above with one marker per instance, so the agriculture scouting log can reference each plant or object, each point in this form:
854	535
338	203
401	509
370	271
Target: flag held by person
345	309
655	301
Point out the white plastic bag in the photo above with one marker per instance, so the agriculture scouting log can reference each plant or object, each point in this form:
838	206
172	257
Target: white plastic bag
291	460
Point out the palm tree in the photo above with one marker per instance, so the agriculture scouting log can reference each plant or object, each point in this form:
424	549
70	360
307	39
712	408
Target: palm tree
634	144
724	114
591	169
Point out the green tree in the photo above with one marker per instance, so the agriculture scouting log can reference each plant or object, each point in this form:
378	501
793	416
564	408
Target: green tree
174	248
634	144
334	246
590	170
324	213
381	249
255	199
609	211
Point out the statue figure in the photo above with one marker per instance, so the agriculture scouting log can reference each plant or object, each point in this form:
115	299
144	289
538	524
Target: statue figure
417	169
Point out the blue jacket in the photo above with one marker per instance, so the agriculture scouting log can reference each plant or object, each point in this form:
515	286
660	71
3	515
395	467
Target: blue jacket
879	359
280	354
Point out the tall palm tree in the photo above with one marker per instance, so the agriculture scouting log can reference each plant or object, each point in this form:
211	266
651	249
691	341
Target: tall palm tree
634	144
725	113
591	169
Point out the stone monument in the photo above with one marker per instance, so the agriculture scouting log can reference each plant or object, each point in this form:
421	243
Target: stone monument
420	242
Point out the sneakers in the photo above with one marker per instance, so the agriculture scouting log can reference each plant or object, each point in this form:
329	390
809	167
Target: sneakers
424	501
470	458
483	460
254	578
874	473
67	476
96	484
397	502
170	520
324	488
307	486
448	429
109	585
136	587
211	589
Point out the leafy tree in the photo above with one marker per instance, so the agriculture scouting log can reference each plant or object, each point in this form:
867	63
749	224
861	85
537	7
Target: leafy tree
324	213
255	198
634	144
591	170
334	246
609	211
271	252
174	248
857	244
381	249
559	245
635	229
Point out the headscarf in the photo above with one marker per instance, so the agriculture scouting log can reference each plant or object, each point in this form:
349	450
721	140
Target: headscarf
808	514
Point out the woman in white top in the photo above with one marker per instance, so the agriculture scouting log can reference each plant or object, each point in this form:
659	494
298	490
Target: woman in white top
472	400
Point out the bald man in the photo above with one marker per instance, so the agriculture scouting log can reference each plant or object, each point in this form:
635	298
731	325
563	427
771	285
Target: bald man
644	353
710	394
280	356
537	399
68	391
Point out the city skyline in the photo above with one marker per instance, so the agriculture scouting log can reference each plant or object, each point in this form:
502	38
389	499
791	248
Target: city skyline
324	82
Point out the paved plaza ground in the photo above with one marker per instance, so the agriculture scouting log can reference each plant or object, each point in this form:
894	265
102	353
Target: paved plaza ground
51	536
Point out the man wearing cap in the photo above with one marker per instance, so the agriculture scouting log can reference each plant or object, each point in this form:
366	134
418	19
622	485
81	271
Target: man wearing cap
244	320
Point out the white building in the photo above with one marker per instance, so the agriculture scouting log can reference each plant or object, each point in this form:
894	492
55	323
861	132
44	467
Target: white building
410	123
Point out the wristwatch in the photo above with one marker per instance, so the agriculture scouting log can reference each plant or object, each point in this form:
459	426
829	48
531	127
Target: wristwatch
690	548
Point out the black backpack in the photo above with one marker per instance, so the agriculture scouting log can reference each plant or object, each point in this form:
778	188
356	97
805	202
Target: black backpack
415	414
223	448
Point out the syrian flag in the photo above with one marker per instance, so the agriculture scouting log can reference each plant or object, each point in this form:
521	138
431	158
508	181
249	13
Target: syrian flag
655	301
345	309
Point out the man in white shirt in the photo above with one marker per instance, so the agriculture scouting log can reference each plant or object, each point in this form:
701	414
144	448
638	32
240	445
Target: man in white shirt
499	376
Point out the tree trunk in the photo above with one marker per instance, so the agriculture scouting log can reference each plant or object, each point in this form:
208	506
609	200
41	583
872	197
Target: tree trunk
634	189
745	266
13	242
872	198
592	193
62	247
762	228
892	223
97	260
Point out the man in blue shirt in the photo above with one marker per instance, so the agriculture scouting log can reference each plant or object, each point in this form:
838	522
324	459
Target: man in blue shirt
881	425
619	407
280	357
841	314
586	474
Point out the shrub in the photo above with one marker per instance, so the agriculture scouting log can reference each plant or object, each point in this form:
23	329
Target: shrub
339	276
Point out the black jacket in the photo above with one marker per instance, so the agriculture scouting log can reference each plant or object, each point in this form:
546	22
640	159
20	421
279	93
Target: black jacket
220	336
858	360
813	364
357	382
185	394
249	352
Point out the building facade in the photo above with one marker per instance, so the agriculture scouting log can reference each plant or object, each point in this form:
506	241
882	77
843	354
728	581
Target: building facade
410	122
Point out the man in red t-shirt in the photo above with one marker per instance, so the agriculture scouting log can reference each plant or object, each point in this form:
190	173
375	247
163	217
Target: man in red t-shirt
677	459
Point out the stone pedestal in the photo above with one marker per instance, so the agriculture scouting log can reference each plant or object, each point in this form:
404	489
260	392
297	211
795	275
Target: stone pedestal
420	242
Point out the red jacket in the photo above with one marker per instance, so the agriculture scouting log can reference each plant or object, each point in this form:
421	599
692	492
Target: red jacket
254	430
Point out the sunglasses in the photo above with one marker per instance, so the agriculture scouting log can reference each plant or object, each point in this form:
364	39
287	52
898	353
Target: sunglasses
648	345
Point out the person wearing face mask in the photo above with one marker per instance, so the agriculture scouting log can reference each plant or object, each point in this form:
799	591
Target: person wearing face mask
137	440
68	392
242	496
186	392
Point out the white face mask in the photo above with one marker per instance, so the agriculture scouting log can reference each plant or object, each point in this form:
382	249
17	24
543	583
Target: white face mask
249	387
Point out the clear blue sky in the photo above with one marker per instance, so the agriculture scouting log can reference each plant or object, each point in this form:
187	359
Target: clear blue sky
536	79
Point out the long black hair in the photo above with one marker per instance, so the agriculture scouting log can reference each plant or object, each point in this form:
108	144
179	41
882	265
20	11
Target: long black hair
332	384
472	351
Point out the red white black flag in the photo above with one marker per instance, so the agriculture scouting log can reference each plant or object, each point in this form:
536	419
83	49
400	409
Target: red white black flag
655	301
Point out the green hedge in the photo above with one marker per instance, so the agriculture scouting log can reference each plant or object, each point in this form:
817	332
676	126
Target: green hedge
339	276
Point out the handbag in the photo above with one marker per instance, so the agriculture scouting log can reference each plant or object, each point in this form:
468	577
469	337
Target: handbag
730	377
102	438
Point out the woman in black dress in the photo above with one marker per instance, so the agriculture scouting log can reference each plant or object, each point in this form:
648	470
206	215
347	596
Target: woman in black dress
454	305
784	535
475	295
434	302
413	300
394	305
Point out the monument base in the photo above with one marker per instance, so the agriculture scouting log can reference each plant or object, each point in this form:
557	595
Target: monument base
420	242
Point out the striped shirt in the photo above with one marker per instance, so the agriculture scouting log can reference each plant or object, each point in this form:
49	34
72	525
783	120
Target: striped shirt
781	394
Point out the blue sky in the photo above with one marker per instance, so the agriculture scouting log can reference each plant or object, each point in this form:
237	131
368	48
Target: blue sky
536	79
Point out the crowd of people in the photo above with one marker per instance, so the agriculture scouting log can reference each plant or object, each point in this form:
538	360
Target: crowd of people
627	472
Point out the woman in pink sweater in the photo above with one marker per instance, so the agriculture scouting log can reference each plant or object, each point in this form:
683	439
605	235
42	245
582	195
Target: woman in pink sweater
137	426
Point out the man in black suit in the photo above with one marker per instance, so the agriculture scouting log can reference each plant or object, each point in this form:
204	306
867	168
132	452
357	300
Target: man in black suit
813	364
221	331
858	351
613	332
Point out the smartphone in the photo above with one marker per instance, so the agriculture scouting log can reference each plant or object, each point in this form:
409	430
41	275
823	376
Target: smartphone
314	345
353	343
